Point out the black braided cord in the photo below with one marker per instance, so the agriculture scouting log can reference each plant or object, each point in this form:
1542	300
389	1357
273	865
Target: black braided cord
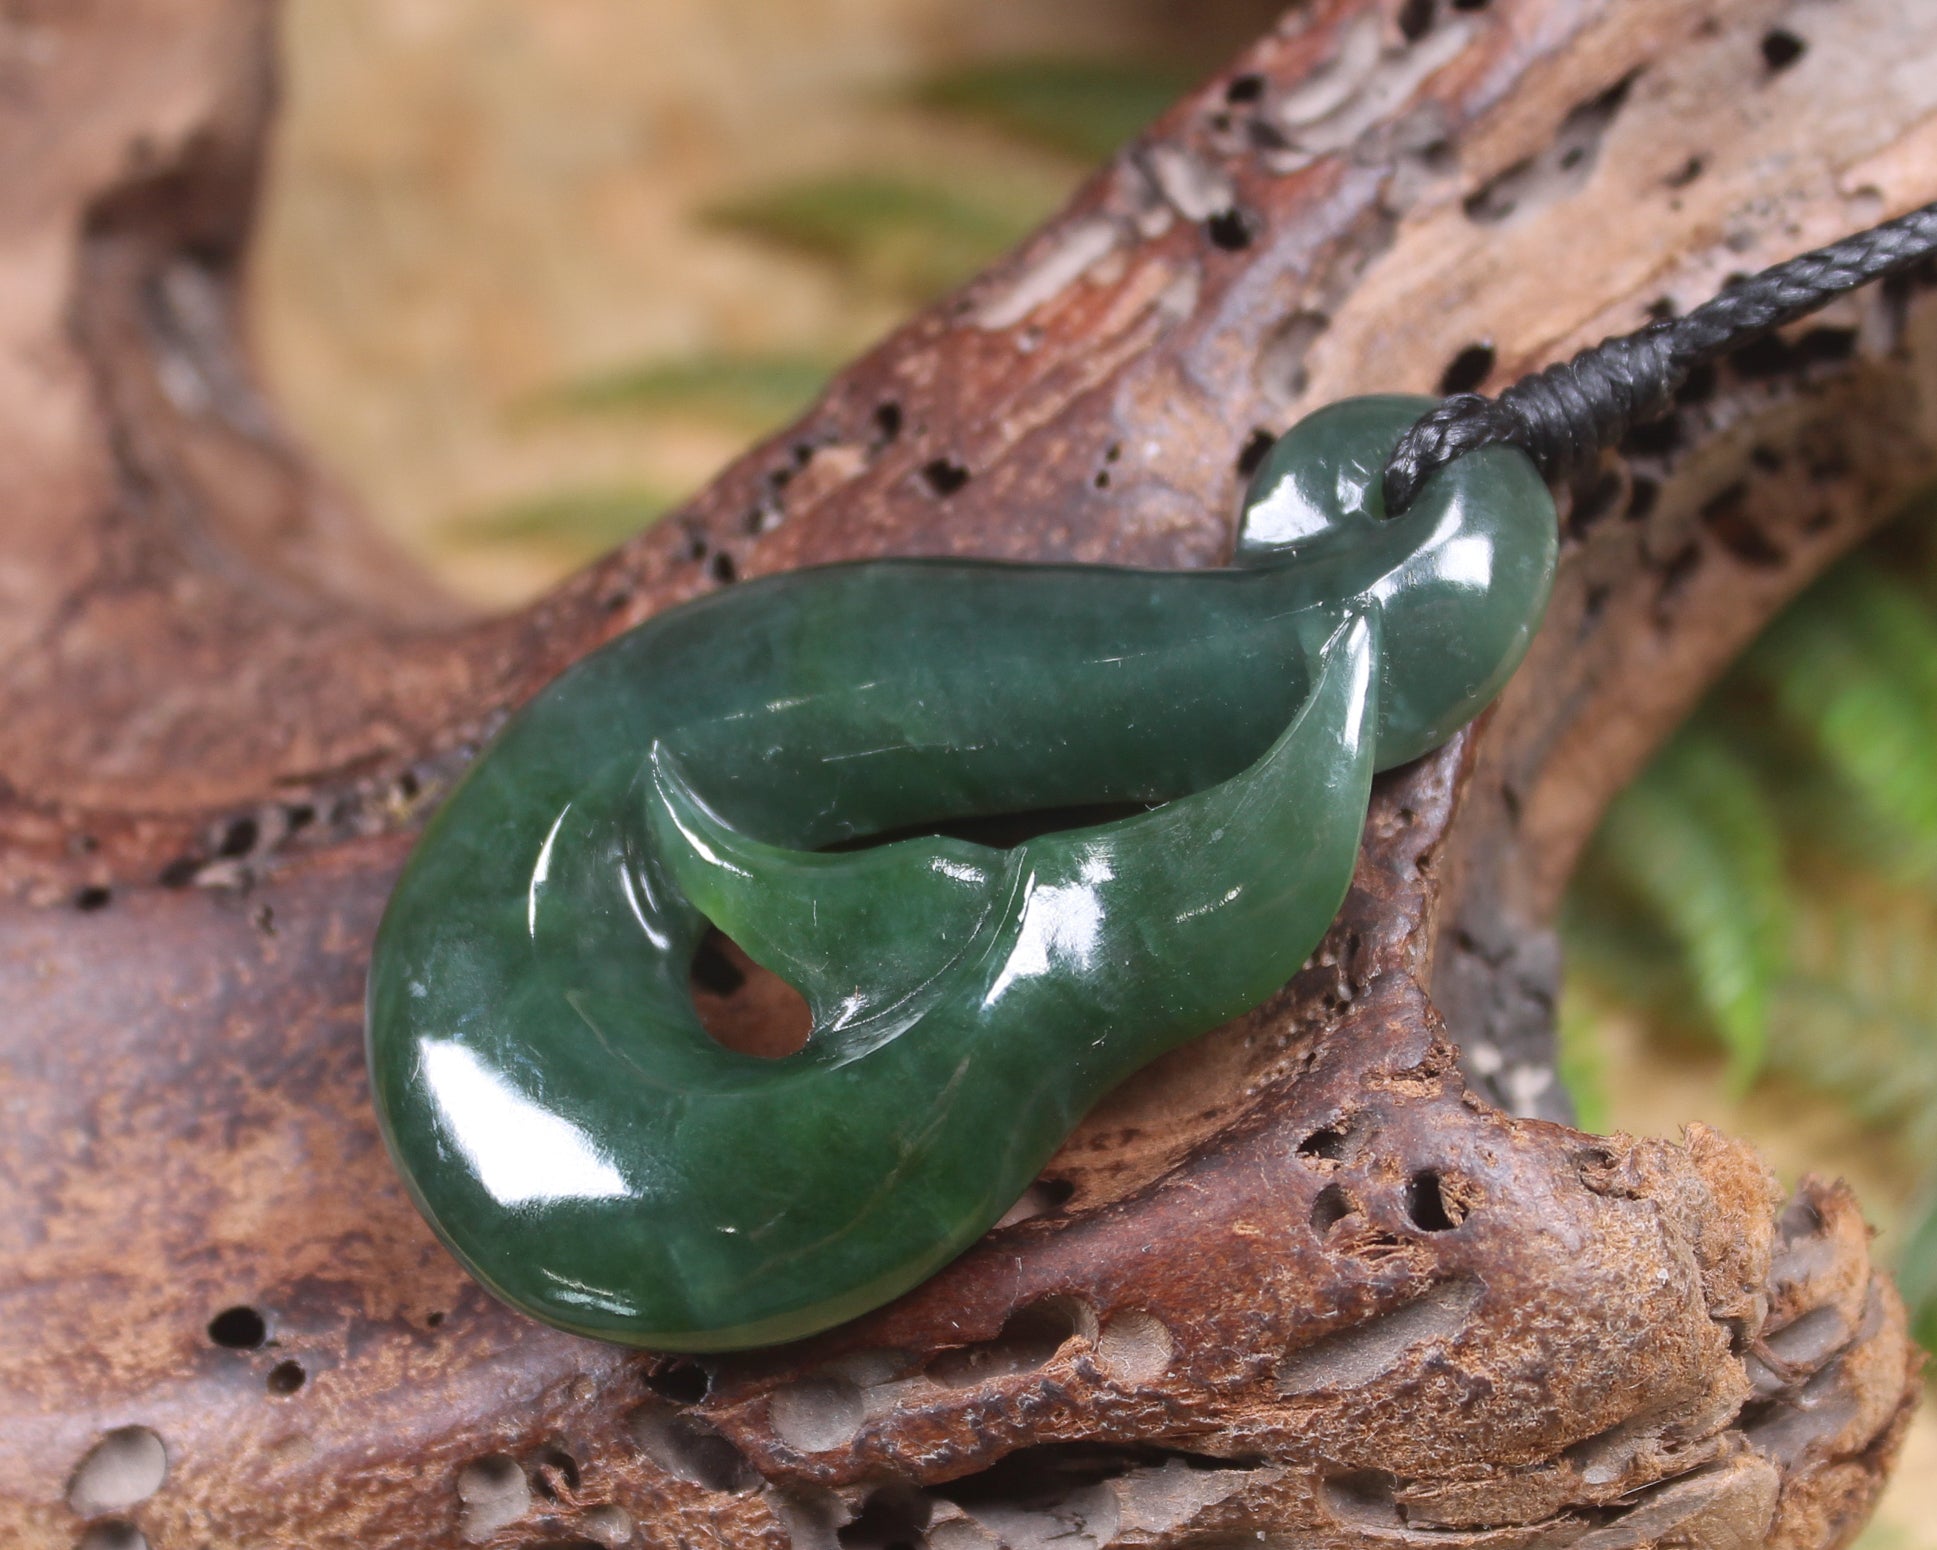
1565	414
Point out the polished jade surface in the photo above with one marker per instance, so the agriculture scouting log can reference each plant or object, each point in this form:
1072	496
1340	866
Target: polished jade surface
542	1078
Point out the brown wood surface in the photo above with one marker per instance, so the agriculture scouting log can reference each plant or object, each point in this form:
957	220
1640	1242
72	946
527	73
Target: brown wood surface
1305	1284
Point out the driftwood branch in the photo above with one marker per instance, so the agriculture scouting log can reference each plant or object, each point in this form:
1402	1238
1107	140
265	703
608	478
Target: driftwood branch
1308	1282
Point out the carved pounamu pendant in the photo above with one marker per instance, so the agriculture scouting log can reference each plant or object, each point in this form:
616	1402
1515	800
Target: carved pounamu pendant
544	1082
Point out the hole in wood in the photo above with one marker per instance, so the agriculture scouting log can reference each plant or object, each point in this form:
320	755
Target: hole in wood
1230	230
126	1466
943	476
1044	1488
1281	372
684	1383
238	1329
1331	1207
1030	1339
1429	1205
179	873
1781	48
689	1449
1467	370
1134	1347
1363	1499
555	1473
1252	454
1329	1143
494	1494
113	1534
1560	170
813	1415
1354	1357
894	1517
1045	1197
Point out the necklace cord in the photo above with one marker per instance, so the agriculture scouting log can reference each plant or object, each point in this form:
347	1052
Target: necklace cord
1564	414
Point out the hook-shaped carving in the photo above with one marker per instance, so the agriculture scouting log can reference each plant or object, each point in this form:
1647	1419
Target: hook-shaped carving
544	1082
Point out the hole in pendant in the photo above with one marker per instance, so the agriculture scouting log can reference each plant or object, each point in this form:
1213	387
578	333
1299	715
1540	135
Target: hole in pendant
285	1378
744	1007
752	1011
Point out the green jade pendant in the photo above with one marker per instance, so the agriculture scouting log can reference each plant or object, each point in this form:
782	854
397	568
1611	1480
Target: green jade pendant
543	1080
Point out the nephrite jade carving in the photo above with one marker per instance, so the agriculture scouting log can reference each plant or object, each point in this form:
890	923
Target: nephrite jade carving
544	1082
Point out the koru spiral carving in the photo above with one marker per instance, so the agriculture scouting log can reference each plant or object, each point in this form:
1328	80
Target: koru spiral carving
544	1081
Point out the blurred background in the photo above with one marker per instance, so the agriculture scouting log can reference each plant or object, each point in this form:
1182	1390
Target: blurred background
531	272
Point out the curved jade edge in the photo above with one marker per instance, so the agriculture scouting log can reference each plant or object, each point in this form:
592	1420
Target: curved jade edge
541	1077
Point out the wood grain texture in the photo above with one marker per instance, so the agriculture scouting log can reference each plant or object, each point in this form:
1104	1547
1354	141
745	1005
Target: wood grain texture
1304	1283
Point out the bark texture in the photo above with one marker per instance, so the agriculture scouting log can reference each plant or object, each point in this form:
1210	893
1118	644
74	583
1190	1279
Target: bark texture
1312	1282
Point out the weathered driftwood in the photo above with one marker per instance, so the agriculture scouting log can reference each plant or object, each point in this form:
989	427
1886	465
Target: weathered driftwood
1305	1284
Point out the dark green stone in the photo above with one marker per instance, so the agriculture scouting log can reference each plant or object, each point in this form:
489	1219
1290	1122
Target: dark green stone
542	1078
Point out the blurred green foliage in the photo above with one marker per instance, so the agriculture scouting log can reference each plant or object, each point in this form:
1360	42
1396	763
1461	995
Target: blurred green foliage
1080	108
1771	880
888	233
917	236
751	391
582	522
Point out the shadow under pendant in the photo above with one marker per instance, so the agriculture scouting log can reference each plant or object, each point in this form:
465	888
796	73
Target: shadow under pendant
542	1078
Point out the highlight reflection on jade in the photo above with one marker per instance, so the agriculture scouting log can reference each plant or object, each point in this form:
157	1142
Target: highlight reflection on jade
542	1078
